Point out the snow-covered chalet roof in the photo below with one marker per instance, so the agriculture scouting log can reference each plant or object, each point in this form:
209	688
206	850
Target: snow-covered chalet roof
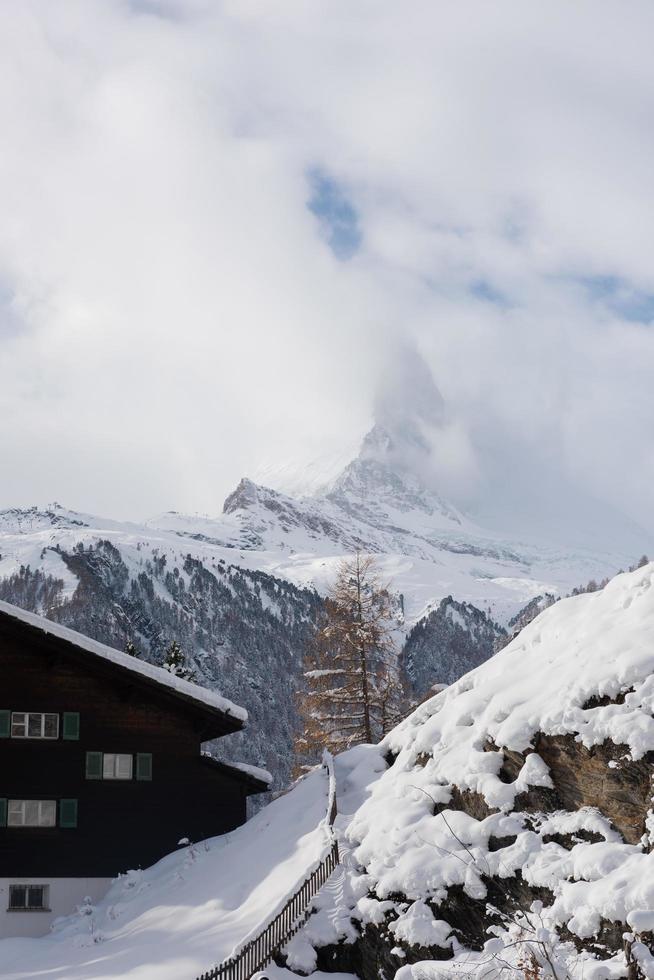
259	780
186	690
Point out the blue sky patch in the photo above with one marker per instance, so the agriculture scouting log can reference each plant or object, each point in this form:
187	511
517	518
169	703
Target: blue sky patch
620	297
484	290
10	322
336	214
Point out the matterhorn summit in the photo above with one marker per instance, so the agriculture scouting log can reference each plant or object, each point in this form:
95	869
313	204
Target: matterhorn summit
373	483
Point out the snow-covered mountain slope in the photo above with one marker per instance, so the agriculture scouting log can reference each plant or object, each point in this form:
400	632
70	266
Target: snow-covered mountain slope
451	640
515	824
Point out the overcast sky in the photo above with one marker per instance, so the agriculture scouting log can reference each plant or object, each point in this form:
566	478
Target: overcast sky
219	221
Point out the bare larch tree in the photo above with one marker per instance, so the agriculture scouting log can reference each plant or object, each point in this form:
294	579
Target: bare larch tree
352	691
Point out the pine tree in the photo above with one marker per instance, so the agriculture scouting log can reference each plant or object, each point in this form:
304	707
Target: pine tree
352	691
132	649
175	662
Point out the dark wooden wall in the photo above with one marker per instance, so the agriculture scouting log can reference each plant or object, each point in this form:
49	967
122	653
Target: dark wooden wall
121	824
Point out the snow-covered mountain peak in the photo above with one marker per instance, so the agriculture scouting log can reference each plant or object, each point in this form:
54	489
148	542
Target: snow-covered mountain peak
244	496
266	518
374	504
393	444
396	471
386	487
376	444
376	481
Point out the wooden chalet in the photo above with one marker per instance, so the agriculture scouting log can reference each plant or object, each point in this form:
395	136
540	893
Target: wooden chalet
101	768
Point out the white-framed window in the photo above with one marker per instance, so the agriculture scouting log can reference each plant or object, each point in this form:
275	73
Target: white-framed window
116	766
34	724
32	813
29	898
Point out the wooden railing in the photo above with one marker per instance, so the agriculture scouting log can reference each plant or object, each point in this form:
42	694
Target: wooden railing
255	953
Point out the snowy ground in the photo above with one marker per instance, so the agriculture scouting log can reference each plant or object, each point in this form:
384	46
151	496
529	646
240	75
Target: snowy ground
189	911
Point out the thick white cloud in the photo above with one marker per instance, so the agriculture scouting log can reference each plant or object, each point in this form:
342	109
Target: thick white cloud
170	311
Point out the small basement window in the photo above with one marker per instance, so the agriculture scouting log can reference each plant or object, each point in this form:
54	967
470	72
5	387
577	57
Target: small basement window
34	724
28	898
115	766
32	813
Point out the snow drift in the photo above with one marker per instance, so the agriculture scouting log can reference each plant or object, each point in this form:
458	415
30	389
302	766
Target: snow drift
515	819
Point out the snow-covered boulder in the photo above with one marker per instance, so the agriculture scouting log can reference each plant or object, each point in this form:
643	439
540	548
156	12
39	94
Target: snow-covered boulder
514	824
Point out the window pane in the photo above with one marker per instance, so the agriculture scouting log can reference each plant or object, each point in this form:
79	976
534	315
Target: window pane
123	767
51	728
17	896
18	724
34	725
108	763
47	813
35	896
15	813
31	811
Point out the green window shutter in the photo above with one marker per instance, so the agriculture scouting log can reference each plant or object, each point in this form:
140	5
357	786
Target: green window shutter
71	726
67	813
144	765
94	765
3	813
5	723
